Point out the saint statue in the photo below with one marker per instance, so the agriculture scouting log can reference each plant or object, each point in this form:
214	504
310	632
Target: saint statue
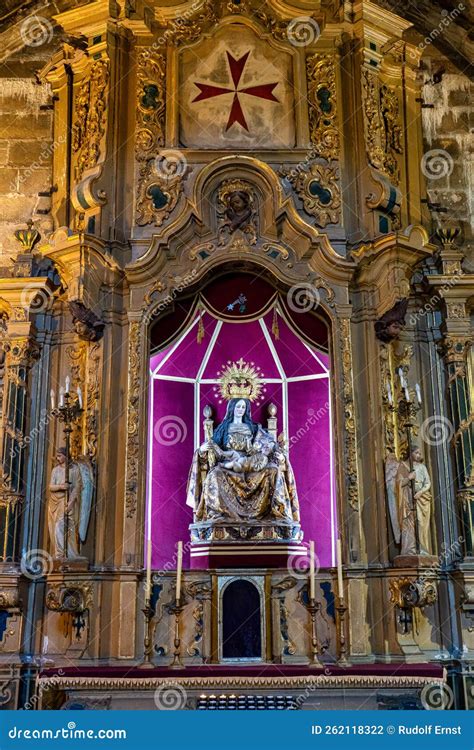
69	505
247	476
409	498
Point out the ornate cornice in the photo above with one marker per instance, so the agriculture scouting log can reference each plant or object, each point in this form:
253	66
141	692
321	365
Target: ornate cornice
253	683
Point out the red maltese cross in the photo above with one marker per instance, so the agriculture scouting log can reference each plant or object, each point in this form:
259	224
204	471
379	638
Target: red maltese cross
263	91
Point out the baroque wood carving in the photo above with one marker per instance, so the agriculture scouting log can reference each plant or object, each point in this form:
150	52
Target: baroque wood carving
322	102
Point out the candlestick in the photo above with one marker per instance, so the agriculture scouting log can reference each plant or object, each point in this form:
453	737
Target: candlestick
340	584
53	399
179	570
68	384
176	609
79	396
312	582
389	394
418	392
341	610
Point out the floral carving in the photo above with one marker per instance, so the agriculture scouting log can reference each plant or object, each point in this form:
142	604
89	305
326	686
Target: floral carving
383	134
322	100
349	416
318	188
90	118
134	354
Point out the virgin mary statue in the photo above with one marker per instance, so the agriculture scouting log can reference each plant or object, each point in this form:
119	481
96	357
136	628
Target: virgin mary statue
241	473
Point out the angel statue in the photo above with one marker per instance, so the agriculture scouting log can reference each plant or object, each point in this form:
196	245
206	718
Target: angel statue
409	499
240	472
69	509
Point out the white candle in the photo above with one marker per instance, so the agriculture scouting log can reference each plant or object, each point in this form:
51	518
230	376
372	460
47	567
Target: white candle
403	382
53	399
148	552
179	570
312	582
68	384
148	571
61	396
340	585
407	394
418	392
79	396
389	394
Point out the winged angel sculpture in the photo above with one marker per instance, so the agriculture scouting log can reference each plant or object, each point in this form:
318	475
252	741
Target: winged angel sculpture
69	505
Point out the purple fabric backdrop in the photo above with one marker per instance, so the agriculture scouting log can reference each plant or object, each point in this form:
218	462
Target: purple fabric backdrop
173	425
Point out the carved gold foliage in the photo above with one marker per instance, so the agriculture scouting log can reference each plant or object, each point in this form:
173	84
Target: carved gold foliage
158	192
349	415
322	101
318	188
90	114
190	26
94	368
383	134
77	356
133	415
84	358
151	103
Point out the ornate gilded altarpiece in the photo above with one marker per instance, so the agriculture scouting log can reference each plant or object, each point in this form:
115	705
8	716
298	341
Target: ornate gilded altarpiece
210	138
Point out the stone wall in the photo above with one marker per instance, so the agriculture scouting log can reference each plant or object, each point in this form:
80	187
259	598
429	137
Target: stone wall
448	124
26	148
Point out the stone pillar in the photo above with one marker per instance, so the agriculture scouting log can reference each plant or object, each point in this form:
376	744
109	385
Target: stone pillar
455	349
20	353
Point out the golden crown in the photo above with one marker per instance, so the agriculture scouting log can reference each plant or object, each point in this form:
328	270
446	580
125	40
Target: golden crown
240	380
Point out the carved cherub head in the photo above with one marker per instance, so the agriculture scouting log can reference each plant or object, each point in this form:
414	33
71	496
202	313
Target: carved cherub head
86	323
390	325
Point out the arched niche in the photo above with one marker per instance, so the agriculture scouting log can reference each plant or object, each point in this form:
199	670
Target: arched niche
183	376
241	619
